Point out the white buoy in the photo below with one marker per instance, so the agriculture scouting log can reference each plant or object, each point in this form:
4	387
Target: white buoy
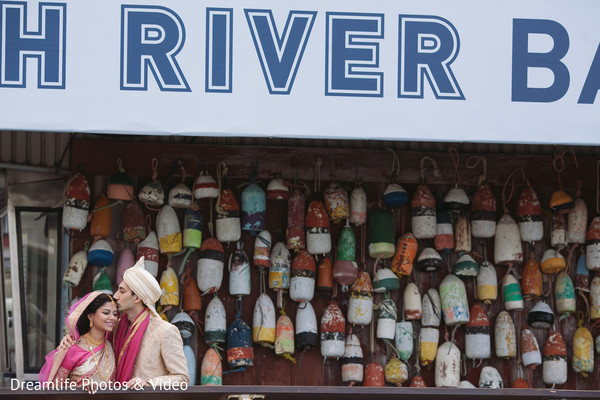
530	351
358	206
507	241
352	362
215	322
462	235
555	360
412	302
466	384
180	196
432	308
577	222
504	336
263	321
487	283
211	260
148	248
77	265
592	246
168	231
205	187
477	334
429	260
302	283
455	306
490	378
307	334
447	365
403	339
386	319
239	273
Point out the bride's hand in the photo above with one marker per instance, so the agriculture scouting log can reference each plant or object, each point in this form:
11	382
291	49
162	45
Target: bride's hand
66	342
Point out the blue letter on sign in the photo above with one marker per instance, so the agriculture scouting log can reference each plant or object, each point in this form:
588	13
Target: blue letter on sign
219	47
46	44
592	82
523	60
352	55
151	37
428	45
280	56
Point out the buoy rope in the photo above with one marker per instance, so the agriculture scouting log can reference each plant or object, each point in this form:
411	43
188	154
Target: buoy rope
473	162
221	173
154	168
455	161
559	164
395	165
511	179
317	182
436	171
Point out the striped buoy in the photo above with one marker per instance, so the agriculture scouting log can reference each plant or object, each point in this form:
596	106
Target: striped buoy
185	324
394	196
254	208
511	291
432	308
529	215
374	375
101	218
455	307
277	189
294	233
385	281
387	313
76	268
396	372
325	275
487	283
592	245
170	288
100	254
180	196
477	334
77	203
318	237
555	360
423	220
148	248
211	259
531	281
306	326
284	336
126	261
577	222
564	294
304	271
447	365
262	250
134	229
558	230
462	235
507	241
240	352
456	200
530	351
239	272
360	307
279	273
120	186
403	340
205	187
358	206
345	270
483	213
211	371
380	231
583	350
444	233
505	338
541	316
490	379
595	298
263	321
333	332
168	231
336	202
465	267
561	202
192	228
352	361
406	251
429	260
228	225
215	322
412	302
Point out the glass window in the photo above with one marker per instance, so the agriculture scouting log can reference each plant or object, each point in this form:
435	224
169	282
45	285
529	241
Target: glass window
8	347
39	239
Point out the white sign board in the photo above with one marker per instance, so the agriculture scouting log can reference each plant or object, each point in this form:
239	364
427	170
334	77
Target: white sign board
437	70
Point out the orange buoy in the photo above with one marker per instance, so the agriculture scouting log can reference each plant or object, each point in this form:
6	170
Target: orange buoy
520	383
101	218
374	375
406	251
531	281
417	381
211	371
561	202
325	275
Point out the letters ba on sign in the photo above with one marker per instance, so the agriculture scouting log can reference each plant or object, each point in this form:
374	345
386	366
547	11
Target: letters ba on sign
152	36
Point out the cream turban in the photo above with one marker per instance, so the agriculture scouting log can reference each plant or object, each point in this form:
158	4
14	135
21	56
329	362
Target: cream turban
143	284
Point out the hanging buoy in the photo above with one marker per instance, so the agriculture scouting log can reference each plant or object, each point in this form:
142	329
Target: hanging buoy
126	261
180	196
432	308
101	218
592	245
577	222
447	365
358	206
583	350
120	186
465	267
336	202
352	361
387	314
561	202
152	194
277	189
228	225
564	294
306	326
462	235
455	307
211	259
190	358
529	215
456	200
511	291
531	281
403	340
374	375
302	283
558	231
385	280
406	251
423	220
76	268
185	324
294	233
444	233
170	288
487	283
77	203
192	300
192	228
284	337
360	307
520	383
102	283
215	322
394	196
582	275
148	248
412	302
541	316
429	260
396	372
333	332
263	321
490	378
211	371
168	231
594	297
325	276
504	336
466	385
318	238
239	273
555	360
100	254
483	213
428	345
417	381
262	250
345	269
530	351
134	229
477	334
507	242
240	352
380	231
205	187
254	208
279	273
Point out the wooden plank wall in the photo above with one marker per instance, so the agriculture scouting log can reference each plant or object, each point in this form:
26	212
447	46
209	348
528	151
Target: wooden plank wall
98	161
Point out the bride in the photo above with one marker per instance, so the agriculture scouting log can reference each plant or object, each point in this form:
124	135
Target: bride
91	357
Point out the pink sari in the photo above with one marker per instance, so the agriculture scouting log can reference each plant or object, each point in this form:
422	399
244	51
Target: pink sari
127	340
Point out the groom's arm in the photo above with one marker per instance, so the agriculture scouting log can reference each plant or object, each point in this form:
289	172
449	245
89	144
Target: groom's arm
171	351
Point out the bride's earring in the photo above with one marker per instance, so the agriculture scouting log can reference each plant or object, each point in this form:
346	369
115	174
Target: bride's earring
91	323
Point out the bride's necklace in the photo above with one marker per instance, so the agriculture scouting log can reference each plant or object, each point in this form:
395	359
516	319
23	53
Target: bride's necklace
97	343
93	341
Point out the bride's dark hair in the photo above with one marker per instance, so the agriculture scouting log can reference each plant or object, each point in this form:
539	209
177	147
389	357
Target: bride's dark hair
83	323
